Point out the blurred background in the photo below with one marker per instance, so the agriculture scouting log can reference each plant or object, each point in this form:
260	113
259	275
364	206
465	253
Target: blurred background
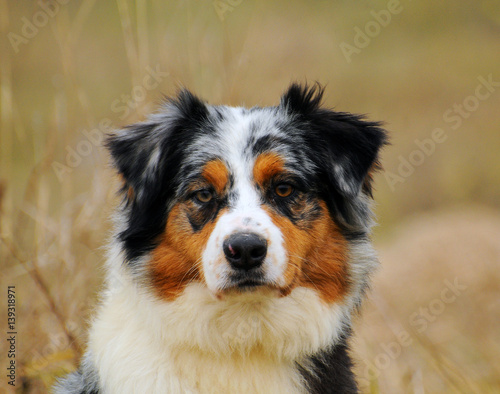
73	70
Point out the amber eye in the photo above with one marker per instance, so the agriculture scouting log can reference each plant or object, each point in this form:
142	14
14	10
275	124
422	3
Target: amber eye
204	196
283	190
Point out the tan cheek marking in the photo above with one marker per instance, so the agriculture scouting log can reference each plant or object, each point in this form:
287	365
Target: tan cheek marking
296	246
176	261
266	166
216	173
326	267
317	257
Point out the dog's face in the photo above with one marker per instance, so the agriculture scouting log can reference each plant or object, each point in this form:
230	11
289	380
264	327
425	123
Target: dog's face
245	200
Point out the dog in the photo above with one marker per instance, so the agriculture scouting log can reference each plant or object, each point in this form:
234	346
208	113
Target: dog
242	250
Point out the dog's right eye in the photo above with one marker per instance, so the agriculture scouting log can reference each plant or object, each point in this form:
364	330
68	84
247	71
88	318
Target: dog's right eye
284	190
203	196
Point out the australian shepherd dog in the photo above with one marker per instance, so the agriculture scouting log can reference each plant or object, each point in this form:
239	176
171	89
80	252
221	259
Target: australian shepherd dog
241	252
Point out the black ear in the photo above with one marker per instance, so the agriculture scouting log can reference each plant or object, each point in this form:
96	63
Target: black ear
350	149
345	147
148	155
302	100
347	144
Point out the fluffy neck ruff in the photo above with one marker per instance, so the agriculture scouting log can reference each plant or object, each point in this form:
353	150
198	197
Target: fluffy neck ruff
246	342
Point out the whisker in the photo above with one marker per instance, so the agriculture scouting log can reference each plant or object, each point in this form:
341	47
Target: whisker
303	273
194	267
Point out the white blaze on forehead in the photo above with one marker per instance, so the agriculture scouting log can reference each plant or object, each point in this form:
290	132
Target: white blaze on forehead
245	211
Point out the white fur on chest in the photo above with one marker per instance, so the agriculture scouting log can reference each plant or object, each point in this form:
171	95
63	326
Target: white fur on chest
245	343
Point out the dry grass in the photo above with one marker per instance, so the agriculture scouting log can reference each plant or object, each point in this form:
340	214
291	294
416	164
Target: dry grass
69	77
416	336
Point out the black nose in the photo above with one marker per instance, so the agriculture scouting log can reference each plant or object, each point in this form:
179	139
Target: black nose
245	251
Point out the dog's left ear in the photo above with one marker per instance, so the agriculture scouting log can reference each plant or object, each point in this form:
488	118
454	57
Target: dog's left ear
344	145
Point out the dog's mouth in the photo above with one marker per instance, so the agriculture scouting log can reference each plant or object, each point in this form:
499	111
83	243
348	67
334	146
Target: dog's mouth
246	282
249	284
258	286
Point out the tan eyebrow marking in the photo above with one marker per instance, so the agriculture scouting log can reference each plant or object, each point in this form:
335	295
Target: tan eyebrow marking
266	166
216	173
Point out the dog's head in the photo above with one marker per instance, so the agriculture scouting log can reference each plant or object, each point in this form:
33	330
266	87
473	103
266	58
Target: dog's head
247	199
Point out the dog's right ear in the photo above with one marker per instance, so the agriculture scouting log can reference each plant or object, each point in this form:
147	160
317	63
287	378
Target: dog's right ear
148	154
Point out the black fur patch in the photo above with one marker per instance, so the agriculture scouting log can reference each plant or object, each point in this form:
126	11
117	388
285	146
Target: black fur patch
332	371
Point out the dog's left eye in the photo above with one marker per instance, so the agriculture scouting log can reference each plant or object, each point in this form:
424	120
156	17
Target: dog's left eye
284	190
204	196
